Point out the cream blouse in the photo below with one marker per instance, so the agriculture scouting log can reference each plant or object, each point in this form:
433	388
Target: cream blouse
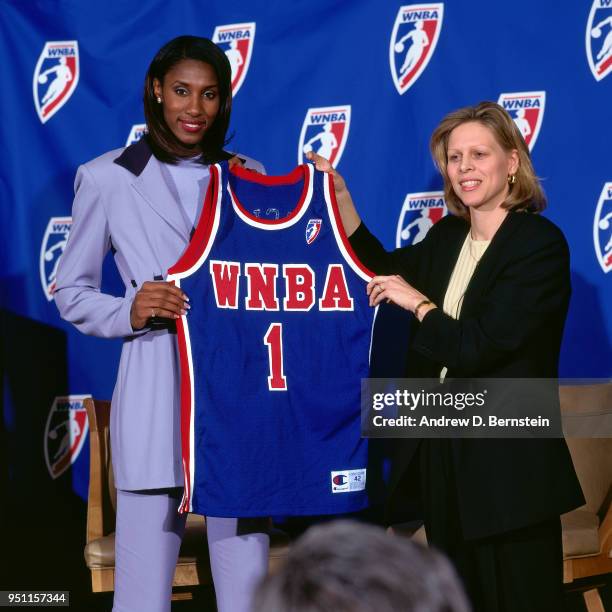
470	255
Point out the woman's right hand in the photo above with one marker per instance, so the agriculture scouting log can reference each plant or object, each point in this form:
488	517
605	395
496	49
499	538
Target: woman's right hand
324	165
157	299
348	212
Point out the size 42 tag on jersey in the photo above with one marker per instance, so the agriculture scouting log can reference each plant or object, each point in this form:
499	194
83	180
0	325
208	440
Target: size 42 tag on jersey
347	481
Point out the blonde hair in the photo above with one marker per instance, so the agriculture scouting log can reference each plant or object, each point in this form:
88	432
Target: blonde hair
525	193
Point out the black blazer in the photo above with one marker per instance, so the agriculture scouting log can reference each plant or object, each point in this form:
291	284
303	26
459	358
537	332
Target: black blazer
510	326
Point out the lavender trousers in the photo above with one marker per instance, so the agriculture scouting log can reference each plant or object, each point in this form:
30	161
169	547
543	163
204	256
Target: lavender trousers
148	536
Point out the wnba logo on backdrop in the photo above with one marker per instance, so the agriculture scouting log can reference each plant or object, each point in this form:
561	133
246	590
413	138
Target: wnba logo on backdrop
419	212
413	41
602	229
65	433
55	77
237	41
527	110
53	245
325	131
599	38
136	133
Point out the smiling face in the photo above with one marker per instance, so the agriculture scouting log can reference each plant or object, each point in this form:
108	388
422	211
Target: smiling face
478	167
190	98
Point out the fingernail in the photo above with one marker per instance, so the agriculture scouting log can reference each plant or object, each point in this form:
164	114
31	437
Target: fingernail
183	312
185	297
187	305
176	316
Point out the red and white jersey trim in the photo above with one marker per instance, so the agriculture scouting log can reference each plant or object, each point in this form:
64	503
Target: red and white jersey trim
206	230
194	256
305	172
187	412
339	233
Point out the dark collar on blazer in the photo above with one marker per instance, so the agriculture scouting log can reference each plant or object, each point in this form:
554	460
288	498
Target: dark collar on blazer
135	157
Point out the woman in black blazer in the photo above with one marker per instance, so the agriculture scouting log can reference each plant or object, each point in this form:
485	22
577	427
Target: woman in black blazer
489	286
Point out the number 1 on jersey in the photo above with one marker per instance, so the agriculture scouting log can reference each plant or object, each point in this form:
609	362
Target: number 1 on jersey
274	341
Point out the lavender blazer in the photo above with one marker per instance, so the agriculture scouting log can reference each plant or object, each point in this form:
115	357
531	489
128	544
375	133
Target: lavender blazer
123	203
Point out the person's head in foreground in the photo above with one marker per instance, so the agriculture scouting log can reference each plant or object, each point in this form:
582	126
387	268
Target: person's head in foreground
345	566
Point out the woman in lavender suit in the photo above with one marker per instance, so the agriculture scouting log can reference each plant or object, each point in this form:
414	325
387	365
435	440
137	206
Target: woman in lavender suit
141	203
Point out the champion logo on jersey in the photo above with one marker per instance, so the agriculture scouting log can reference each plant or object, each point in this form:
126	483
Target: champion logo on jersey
599	39
136	133
527	110
65	433
602	228
419	212
313	228
347	481
413	41
325	131
53	245
237	40
55	77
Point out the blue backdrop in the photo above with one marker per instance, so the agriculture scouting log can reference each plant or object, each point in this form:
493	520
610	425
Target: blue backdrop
363	81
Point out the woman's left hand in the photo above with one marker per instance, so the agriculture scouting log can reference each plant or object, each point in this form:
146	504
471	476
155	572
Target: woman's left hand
394	289
235	161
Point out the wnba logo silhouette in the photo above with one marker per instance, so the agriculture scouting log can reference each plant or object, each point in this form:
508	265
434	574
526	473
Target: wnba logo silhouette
599	39
413	41
237	41
55	77
325	131
527	110
419	213
602	228
136	133
65	433
53	245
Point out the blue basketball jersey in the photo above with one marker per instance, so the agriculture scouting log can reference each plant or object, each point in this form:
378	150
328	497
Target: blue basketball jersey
273	350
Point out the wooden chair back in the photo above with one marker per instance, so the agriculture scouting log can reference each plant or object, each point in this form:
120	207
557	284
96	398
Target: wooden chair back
102	500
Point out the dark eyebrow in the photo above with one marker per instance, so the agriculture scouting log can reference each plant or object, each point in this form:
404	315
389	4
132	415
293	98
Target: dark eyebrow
184	84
